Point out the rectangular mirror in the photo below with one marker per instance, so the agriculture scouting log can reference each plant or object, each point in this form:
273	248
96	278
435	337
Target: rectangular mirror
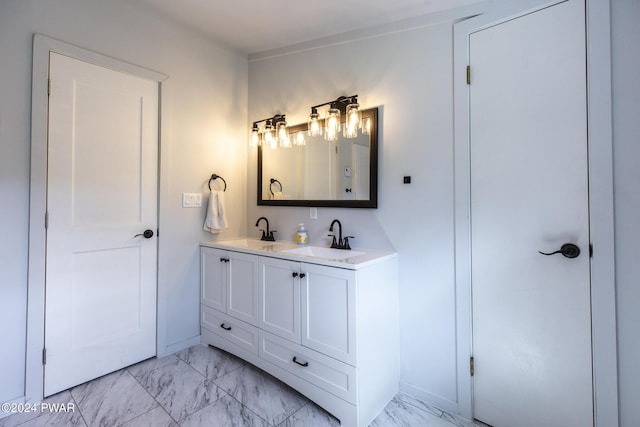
342	173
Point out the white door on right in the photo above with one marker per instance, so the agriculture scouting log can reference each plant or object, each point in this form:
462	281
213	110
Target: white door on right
529	194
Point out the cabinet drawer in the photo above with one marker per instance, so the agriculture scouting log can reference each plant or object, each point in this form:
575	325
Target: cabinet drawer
329	374
234	330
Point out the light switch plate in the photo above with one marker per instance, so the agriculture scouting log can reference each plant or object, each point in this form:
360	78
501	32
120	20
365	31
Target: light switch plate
313	213
191	200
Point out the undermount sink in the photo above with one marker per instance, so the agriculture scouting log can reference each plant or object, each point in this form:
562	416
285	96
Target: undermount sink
322	252
262	245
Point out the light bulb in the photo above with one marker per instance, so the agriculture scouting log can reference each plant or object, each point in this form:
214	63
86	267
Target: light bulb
283	136
268	136
314	128
255	136
332	124
352	121
300	140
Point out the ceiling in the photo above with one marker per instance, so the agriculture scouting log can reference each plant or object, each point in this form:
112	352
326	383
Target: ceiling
255	26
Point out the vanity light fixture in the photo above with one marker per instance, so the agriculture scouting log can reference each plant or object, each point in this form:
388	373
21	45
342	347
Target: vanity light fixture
283	135
347	105
353	120
332	123
314	123
273	133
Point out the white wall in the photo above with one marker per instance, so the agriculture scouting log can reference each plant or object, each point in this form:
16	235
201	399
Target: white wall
626	146
408	75
204	117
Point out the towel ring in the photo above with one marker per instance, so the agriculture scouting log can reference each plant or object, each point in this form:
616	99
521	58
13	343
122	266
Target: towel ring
273	181
214	177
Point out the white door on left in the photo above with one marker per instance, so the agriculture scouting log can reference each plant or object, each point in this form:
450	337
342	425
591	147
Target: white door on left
100	312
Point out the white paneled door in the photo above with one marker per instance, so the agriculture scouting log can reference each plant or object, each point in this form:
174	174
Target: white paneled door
529	194
100	312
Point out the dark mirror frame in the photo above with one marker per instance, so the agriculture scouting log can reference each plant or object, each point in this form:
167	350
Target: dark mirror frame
372	203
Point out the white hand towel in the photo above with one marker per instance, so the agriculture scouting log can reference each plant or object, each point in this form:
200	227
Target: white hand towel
216	219
277	195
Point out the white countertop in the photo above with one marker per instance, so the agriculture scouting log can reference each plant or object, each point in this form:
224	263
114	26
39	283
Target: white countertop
352	260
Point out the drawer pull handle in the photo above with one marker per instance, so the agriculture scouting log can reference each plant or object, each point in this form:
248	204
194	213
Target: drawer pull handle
305	364
226	328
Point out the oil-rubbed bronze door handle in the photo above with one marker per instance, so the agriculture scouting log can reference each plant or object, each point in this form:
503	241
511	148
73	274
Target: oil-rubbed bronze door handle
568	250
147	234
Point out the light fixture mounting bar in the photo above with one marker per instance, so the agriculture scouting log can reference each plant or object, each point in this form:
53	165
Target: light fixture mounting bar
340	103
275	119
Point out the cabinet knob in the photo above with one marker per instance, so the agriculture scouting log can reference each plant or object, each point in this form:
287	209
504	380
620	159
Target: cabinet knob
294	274
224	259
303	275
305	364
226	328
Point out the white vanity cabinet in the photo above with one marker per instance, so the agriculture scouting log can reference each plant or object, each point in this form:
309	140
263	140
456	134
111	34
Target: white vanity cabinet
280	297
229	295
328	311
329	329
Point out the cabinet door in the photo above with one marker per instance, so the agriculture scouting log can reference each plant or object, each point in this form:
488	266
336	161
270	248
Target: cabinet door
242	292
280	298
213	278
328	311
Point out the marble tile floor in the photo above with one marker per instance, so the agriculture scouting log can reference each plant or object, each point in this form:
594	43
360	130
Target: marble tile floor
205	386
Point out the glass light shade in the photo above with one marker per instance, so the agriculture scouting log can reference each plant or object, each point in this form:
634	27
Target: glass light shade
332	124
255	137
314	124
366	126
352	121
268	136
283	136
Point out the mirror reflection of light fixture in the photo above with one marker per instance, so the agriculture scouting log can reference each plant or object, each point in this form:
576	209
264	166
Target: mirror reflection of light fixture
366	126
300	139
347	105
274	132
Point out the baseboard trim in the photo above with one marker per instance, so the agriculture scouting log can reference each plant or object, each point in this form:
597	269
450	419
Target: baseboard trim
180	345
429	398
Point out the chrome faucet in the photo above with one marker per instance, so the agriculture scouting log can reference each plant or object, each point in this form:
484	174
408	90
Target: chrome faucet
341	243
266	234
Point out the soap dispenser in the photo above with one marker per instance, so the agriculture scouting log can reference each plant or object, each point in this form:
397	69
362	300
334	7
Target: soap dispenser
302	238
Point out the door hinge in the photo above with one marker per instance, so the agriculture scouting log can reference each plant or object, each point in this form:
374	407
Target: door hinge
46	220
471	366
48	86
468	74
44	356
590	250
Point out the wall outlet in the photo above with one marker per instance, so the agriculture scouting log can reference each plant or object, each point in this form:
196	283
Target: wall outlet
191	200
